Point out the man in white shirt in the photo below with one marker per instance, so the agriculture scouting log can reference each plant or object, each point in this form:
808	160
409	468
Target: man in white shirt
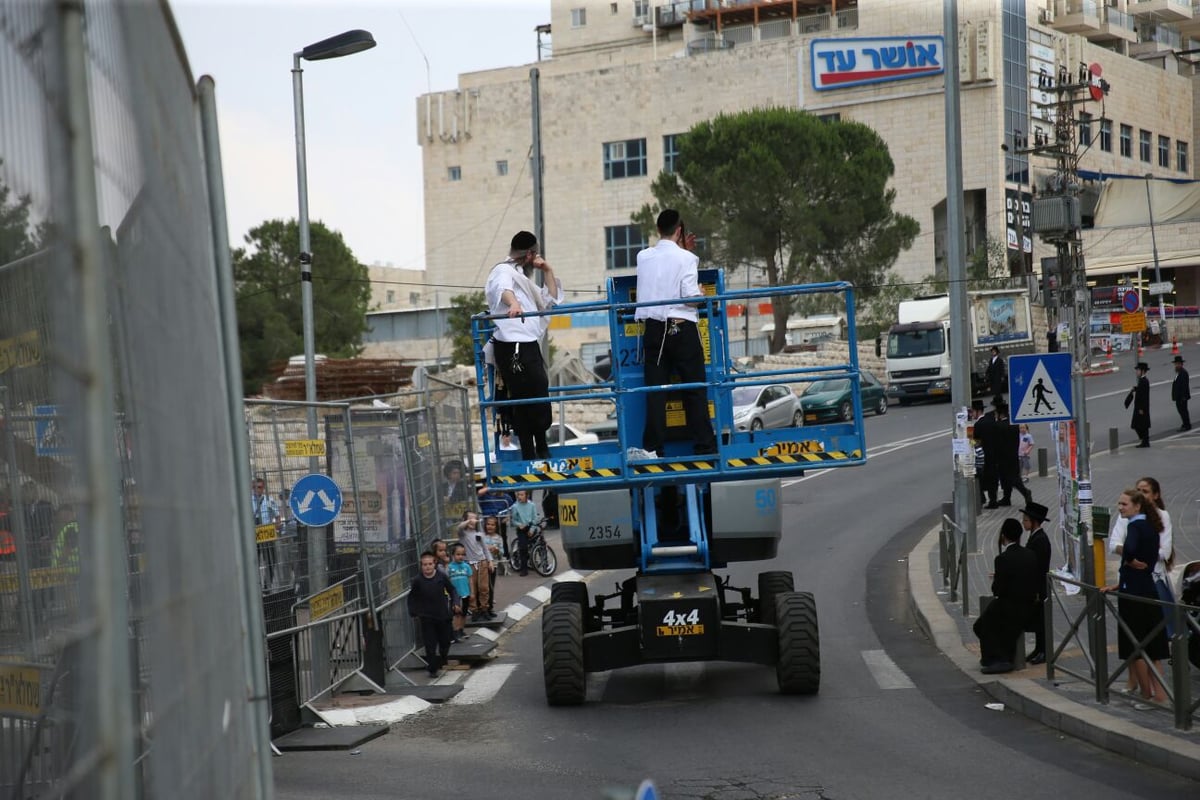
671	340
518	357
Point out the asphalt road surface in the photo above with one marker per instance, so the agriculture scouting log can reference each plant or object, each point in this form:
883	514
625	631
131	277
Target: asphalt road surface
893	718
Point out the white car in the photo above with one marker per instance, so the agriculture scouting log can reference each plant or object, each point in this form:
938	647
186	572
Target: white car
758	407
571	434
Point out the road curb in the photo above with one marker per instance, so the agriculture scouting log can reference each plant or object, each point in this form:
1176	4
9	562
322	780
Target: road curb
1035	701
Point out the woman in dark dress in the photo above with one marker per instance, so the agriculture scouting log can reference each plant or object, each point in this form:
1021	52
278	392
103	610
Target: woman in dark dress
1136	577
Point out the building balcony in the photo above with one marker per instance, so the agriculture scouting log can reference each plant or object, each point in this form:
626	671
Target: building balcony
1163	10
1116	25
1155	38
1191	27
1077	16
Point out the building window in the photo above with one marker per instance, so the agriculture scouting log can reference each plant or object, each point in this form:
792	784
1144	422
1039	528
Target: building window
671	152
613	6
578	17
1106	135
641	9
1127	141
1181	156
621	246
391	295
625	159
454	173
1085	129
834	117
1164	152
1144	145
502	168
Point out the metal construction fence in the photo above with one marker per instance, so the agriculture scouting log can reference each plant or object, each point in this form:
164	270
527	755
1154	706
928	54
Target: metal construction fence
401	465
131	645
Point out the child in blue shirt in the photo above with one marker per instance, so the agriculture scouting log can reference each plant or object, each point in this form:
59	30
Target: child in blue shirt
460	573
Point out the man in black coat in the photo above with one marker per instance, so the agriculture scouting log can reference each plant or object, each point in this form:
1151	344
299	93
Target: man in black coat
997	374
1140	397
1008	461
1014	590
1181	392
1033	516
985	434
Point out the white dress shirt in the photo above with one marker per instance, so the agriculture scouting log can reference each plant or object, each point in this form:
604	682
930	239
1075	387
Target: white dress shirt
517	329
666	272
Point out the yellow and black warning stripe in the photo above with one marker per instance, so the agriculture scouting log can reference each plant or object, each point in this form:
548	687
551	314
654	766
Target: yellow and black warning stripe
545	477
675	466
800	458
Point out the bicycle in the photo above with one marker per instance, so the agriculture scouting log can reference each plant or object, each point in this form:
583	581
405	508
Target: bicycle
542	558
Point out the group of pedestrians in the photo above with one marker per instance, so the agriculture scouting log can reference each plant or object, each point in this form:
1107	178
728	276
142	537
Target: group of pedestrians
1003	453
1139	399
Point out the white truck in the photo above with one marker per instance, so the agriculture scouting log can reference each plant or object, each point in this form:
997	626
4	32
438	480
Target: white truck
918	351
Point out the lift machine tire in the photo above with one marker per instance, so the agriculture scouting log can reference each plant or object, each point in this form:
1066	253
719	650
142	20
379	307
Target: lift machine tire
799	666
562	654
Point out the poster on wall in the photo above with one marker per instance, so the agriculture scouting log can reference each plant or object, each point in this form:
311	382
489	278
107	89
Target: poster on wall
381	495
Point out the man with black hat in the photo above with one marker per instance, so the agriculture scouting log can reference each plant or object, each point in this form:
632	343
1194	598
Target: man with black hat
1033	515
1139	396
986	433
671	341
1014	591
510	294
1181	392
1008	460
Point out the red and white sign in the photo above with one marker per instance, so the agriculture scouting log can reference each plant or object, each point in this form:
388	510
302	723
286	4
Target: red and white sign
1095	85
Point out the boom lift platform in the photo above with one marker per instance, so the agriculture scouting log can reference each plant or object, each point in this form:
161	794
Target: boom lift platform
676	518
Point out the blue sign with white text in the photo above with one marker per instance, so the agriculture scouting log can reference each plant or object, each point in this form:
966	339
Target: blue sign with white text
1039	387
316	500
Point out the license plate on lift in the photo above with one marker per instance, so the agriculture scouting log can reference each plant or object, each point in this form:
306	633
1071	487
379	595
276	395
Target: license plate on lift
679	630
793	448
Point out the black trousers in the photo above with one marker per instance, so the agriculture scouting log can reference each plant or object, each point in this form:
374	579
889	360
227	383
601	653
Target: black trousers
524	375
1010	478
435	635
680	353
1185	419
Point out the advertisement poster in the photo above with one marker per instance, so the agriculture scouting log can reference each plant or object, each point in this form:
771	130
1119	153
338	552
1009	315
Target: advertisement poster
1068	494
382	494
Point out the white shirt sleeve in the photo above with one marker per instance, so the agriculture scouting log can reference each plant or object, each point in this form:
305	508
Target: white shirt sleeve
689	284
1165	544
1117	537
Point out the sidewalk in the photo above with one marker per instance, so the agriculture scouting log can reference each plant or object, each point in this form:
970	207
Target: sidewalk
1067	703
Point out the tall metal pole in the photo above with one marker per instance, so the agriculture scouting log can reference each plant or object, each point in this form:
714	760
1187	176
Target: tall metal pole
317	572
960	347
1162	314
539	220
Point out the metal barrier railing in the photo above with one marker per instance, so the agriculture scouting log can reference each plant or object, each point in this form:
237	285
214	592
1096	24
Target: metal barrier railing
1097	614
952	560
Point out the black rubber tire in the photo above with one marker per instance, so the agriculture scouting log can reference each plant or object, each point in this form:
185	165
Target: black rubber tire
573	592
543	560
799	667
846	411
882	408
798	419
756	425
562	654
770	585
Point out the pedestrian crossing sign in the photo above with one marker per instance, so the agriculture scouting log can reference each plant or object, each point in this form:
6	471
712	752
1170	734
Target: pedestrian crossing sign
1039	387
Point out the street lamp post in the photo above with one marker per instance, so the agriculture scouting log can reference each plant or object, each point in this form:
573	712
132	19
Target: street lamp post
1162	314
344	44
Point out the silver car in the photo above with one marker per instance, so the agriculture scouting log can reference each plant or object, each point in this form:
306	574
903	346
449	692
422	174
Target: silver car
758	407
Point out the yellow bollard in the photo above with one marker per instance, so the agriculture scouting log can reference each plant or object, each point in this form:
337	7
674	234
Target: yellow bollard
1098	550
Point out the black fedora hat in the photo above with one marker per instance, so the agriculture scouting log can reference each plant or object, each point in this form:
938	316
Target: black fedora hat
1036	511
1177	360
1143	366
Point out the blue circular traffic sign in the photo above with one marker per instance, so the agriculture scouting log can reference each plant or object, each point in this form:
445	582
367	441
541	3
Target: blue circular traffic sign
316	500
1131	301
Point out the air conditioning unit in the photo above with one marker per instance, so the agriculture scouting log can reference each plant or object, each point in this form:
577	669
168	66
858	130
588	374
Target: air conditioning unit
1046	16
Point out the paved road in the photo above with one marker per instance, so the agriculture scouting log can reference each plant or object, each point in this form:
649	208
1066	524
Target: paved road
894	717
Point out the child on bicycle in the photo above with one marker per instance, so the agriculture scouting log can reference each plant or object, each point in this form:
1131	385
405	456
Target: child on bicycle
460	573
523	515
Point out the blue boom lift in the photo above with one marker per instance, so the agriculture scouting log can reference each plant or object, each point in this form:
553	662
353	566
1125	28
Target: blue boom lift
676	518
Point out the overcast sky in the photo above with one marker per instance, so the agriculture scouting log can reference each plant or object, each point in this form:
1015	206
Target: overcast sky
364	163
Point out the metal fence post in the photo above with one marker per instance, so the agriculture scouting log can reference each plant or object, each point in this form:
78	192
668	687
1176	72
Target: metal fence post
1098	636
1181	685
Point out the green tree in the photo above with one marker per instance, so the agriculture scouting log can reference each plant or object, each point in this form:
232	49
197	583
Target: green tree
805	199
18	238
458	322
270	314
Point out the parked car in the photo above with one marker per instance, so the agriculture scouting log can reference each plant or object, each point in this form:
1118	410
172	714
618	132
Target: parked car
758	407
606	431
832	399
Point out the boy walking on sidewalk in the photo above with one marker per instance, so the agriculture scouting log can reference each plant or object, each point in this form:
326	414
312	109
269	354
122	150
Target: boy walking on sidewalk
431	599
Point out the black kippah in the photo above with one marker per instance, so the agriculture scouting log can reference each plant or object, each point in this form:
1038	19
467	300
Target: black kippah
524	240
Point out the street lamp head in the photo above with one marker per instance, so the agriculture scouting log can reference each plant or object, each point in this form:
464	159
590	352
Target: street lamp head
344	44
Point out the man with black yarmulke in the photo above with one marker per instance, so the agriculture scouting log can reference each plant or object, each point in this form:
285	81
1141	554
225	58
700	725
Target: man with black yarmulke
511	294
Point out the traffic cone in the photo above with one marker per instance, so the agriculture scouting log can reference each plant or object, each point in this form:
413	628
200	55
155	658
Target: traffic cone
1108	352
1139	351
1174	346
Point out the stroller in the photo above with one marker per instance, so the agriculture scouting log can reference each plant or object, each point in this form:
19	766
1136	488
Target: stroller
1187	590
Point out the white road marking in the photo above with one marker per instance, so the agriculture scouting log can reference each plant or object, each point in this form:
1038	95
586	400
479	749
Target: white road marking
569	575
517	611
885	671
597	682
487	633
881	450
483	684
539	593
450	677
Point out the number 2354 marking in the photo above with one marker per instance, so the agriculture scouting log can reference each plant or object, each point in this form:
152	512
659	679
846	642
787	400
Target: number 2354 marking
600	532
